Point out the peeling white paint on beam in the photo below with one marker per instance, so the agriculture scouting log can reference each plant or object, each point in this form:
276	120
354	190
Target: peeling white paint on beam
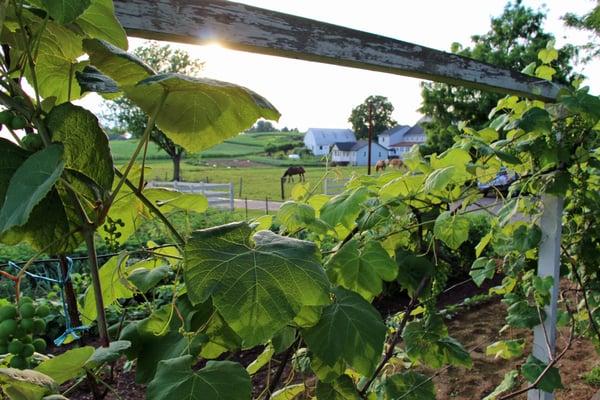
257	30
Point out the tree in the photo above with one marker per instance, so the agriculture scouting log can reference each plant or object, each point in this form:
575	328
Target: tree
589	22
514	40
382	110
128	117
262	126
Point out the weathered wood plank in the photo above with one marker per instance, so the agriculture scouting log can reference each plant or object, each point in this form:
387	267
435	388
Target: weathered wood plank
257	30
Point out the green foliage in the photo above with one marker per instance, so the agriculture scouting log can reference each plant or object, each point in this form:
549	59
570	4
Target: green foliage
364	332
533	368
218	380
66	366
381	116
261	285
592	377
408	385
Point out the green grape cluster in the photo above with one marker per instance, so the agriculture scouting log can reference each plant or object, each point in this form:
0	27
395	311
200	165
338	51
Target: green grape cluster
11	120
20	328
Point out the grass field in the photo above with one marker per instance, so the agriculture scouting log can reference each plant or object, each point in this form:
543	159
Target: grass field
257	182
242	145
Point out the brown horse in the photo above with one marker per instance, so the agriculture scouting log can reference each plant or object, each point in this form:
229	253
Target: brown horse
395	163
380	166
291	171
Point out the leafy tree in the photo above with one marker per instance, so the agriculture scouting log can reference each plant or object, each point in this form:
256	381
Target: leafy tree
382	110
514	40
589	22
129	117
262	126
270	148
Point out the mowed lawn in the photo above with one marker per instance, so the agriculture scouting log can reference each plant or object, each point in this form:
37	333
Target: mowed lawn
257	182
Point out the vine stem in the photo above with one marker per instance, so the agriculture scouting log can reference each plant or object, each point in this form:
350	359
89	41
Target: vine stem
69	292
140	146
151	206
397	337
286	358
94	272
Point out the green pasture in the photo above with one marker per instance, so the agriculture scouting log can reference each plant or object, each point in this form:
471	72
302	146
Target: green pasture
257	182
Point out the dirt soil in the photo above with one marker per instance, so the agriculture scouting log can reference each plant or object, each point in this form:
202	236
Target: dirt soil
478	328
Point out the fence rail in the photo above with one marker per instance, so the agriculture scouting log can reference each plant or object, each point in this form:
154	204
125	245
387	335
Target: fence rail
217	194
334	186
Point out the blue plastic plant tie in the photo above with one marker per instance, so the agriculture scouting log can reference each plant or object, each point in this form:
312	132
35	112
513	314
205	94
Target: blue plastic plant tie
69	330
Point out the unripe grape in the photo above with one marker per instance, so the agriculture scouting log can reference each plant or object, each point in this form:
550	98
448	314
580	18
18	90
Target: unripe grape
15	346
40	345
27	310
27	350
42	311
18	362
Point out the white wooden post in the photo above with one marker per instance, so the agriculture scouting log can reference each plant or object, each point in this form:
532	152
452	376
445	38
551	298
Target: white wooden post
231	205
325	184
548	265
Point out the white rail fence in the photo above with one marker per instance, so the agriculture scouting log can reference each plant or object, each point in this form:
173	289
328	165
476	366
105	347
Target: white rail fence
218	194
334	186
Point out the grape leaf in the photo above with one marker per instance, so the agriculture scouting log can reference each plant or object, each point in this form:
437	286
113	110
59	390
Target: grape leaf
349	329
341	389
31	182
533	368
344	208
483	268
362	269
409	386
108	354
506	349
451	229
99	22
509	382
258	284
85	144
145	279
219	380
65	11
67	365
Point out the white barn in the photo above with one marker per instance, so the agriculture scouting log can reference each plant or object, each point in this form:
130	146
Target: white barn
356	153
415	135
319	141
392	135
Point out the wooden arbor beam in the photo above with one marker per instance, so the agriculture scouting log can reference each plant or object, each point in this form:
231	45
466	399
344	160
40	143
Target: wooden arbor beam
242	27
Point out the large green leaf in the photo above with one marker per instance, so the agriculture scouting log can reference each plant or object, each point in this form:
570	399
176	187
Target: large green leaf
427	340
533	368
108	354
349	329
170	200
289	392
362	269
67	365
219	380
126	69
409	385
65	11
521	315
295	216
344	209
114	286
506	349
145	279
451	229
199	112
31	182
85	143
412	269
25	384
341	389
257	285
99	22
509	382
483	268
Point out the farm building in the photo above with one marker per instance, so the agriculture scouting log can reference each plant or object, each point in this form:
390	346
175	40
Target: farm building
392	135
403	143
355	153
319	141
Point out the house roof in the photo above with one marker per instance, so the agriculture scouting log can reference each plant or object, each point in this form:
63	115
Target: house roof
395	129
331	136
405	144
345	146
363	143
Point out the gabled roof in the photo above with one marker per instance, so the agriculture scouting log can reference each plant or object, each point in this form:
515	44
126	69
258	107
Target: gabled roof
331	136
415	130
395	129
344	146
363	143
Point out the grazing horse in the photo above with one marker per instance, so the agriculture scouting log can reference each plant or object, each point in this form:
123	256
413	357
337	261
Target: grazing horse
395	163
291	171
380	166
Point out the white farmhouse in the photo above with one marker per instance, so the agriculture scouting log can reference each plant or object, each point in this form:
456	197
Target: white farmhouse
319	141
356	153
416	135
392	135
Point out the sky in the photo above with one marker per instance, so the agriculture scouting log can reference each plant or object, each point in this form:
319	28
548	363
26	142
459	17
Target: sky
311	94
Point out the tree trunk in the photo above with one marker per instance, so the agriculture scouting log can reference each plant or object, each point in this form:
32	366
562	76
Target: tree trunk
177	166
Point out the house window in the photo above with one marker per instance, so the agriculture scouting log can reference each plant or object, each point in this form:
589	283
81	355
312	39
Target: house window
365	154
379	154
320	147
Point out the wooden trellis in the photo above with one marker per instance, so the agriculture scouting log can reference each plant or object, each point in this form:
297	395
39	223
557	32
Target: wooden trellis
241	27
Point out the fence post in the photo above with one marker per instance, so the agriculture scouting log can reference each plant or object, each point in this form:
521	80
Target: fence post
231	202
325	185
548	265
267	204
246	206
241	184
